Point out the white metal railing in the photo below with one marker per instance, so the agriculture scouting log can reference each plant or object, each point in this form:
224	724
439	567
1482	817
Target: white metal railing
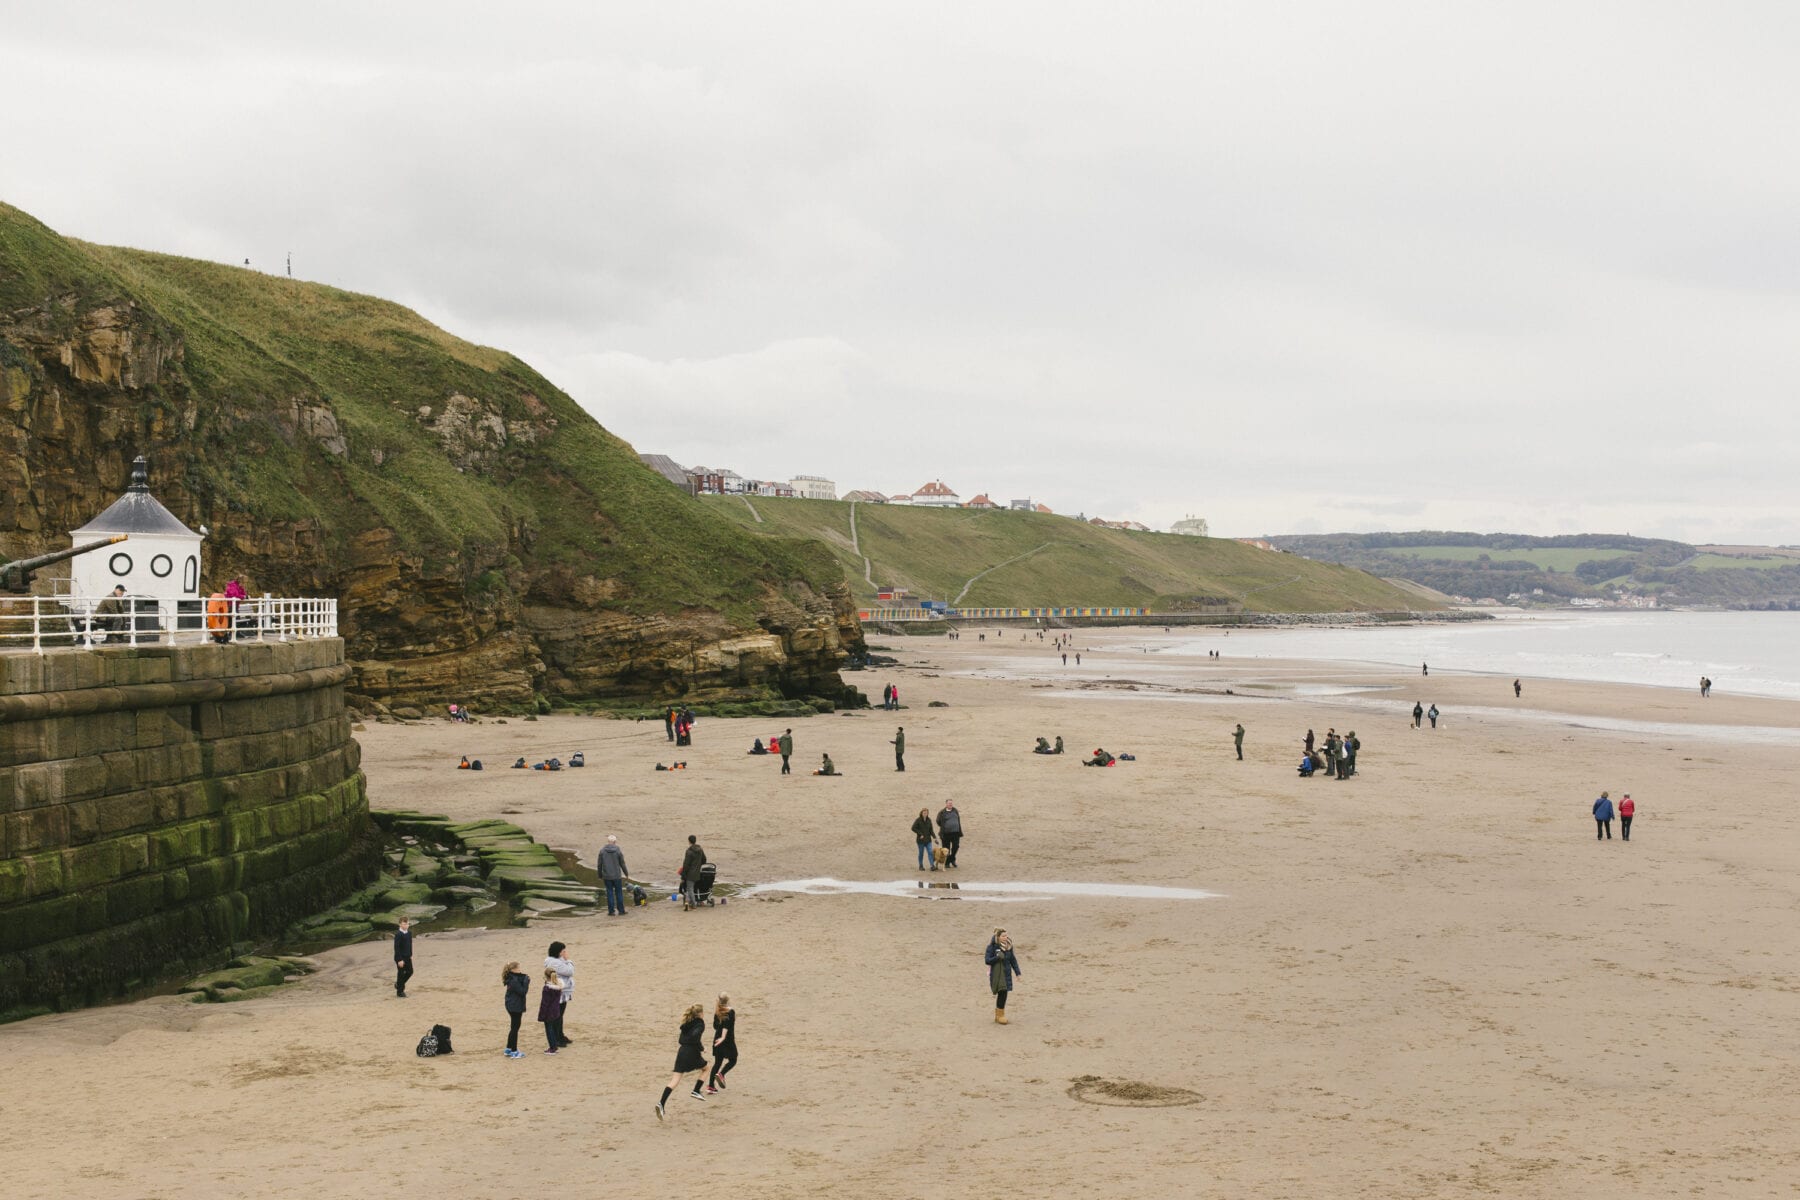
45	622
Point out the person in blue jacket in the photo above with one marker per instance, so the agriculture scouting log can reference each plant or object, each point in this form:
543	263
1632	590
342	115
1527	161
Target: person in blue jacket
1603	814
1003	965
518	987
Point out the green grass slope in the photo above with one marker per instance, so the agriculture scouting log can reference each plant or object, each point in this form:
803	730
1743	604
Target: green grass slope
553	491
1026	559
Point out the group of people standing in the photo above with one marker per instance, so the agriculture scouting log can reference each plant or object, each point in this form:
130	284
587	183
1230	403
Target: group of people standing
890	697
553	1000
1336	756
678	724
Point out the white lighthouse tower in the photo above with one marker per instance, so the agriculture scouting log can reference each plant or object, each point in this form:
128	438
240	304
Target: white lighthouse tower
160	560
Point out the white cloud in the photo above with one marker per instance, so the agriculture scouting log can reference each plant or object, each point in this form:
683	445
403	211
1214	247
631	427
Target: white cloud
1285	265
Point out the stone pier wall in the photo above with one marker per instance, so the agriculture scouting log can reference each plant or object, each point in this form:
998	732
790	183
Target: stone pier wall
159	804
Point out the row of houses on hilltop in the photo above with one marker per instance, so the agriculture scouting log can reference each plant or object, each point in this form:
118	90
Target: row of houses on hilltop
720	481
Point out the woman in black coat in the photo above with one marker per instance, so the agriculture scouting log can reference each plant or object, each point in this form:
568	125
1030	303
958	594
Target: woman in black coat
689	1058
518	987
724	1043
923	833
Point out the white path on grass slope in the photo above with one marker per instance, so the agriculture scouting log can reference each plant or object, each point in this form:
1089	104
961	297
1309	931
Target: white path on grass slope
856	547
1015	558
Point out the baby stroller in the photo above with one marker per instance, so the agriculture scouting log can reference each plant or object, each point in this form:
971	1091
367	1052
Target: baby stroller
703	884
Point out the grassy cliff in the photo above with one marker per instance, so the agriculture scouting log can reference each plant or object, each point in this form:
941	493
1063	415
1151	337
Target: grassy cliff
1019	558
339	444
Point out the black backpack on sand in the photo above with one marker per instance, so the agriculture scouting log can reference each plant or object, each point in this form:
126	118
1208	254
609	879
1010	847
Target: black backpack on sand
435	1043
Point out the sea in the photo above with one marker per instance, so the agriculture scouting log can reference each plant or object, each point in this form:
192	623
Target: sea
1756	654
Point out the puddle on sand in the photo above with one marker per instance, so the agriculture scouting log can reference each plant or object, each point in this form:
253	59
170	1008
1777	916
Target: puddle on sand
999	893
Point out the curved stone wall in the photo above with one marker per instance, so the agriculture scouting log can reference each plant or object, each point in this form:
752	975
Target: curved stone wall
159	804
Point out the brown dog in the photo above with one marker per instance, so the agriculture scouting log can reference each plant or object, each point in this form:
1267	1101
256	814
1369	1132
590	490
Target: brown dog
939	855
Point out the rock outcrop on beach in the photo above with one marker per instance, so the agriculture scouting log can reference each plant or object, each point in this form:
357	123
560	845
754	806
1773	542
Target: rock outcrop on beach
487	538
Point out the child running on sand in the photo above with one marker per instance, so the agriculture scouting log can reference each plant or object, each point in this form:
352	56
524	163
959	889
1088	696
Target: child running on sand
689	1059
724	1043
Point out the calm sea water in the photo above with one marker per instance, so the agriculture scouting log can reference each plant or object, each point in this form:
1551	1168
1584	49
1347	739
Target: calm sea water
1748	653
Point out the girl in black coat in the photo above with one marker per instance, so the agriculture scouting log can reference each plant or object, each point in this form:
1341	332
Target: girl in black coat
923	834
689	1059
724	1043
550	1005
518	987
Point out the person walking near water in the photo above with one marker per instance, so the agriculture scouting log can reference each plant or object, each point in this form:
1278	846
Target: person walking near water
518	987
899	742
403	968
921	828
1424	668
724	1044
1517	690
1418	712
1627	809
550	1006
1431	714
1603	815
690	1059
1238	741
613	873
949	823
785	744
1003	968
557	963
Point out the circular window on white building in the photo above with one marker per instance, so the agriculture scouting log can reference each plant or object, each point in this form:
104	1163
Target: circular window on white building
119	564
161	565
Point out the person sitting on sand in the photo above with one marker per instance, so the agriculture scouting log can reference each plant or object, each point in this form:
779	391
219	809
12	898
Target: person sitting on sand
827	767
1306	767
758	748
1043	747
1058	747
1101	759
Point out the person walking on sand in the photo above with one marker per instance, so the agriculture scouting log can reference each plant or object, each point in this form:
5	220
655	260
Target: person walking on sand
785	744
899	742
949	823
1424	668
613	873
690	1059
518	988
1603	815
1237	740
1003	968
550	1006
724	1044
403	968
921	828
691	861
1418	712
557	962
1627	809
1517	690
1431	714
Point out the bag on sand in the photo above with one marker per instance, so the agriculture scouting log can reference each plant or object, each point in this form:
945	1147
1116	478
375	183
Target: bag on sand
435	1043
427	1048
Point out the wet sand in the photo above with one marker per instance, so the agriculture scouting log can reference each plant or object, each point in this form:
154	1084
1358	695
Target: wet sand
1426	981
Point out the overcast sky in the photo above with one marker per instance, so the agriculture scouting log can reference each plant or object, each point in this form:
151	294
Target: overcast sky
1291	267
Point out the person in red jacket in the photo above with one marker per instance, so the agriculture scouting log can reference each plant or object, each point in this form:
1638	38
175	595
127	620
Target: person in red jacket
1626	809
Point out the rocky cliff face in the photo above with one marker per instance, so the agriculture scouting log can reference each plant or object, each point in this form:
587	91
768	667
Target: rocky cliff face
487	540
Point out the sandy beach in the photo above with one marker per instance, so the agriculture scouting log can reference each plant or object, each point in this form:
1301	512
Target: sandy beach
1430	980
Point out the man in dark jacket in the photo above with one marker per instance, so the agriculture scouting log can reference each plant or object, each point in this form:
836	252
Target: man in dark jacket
785	744
1603	815
949	823
899	740
613	873
403	967
691	862
1238	740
